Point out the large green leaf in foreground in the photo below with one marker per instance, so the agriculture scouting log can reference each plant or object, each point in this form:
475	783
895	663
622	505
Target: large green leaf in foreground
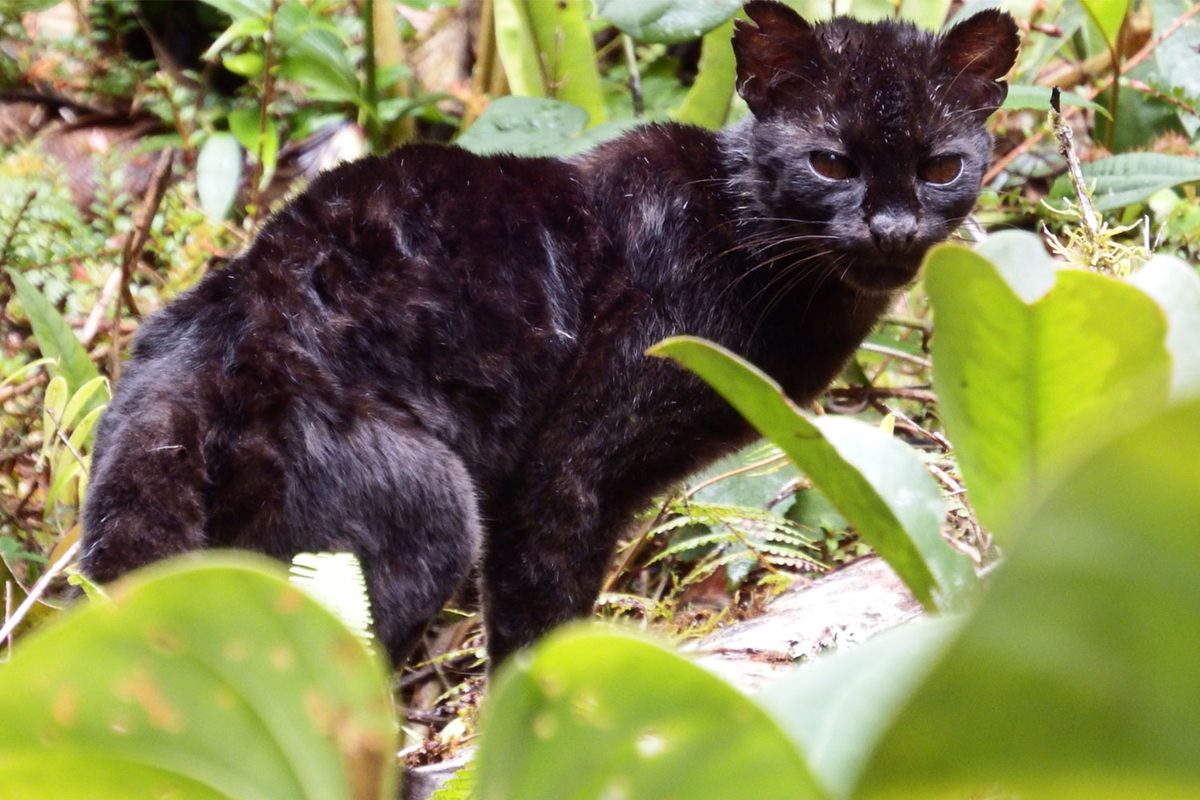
1077	678
839	707
219	681
1033	368
875	481
601	715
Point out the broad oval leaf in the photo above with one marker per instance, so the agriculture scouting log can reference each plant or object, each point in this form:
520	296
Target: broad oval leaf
218	680
602	715
874	480
535	126
1076	679
1129	178
667	21
218	173
1033	368
1038	98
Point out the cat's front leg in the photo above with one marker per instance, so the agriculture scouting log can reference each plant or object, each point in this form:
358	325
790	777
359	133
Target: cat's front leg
544	559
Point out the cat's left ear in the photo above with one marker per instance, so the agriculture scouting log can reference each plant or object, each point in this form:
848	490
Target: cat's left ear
980	51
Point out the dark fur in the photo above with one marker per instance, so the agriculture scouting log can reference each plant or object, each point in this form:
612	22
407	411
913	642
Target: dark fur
434	352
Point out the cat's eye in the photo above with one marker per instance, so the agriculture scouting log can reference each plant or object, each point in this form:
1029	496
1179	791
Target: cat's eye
940	169
831	165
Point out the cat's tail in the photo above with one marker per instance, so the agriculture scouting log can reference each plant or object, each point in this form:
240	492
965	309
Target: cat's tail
145	496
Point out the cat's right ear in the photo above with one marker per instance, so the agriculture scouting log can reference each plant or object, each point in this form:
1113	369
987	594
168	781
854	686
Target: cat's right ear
770	52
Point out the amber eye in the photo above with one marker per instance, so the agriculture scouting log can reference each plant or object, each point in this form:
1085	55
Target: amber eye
832	166
941	169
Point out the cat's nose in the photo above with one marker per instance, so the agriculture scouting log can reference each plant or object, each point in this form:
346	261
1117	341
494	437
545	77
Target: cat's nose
893	231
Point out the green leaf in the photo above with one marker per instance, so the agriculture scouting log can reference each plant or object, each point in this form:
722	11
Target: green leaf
1038	98
928	14
12	9
54	336
1076	679
707	102
600	715
1128	178
1176	288
876	481
536	126
249	65
1032	368
547	50
242	9
518	49
667	21
838	708
1108	16
317	58
244	124
565	43
81	400
218	174
1177	58
213	681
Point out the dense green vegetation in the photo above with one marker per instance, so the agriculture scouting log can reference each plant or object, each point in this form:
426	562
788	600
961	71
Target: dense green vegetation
1060	357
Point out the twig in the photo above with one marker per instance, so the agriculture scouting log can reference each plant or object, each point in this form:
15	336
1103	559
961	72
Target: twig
635	76
739	471
135	243
892	352
1149	47
37	591
636	547
9	392
1063	135
63	438
268	96
915	393
92	325
909	424
1145	88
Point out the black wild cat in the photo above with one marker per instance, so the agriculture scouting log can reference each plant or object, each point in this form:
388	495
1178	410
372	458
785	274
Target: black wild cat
433	353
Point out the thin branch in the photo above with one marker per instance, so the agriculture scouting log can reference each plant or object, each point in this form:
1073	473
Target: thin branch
892	352
37	591
264	108
739	471
135	243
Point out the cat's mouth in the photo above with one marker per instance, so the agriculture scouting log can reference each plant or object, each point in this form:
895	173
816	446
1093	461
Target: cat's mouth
883	274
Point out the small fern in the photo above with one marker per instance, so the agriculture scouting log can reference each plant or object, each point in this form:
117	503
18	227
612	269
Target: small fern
716	535
335	580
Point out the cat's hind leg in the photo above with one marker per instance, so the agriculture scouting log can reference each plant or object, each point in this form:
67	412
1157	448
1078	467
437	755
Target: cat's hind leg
145	498
404	503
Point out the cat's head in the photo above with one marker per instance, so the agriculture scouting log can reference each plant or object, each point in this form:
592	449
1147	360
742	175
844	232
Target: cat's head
868	139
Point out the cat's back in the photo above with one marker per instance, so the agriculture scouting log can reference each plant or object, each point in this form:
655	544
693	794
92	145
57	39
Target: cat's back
448	283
